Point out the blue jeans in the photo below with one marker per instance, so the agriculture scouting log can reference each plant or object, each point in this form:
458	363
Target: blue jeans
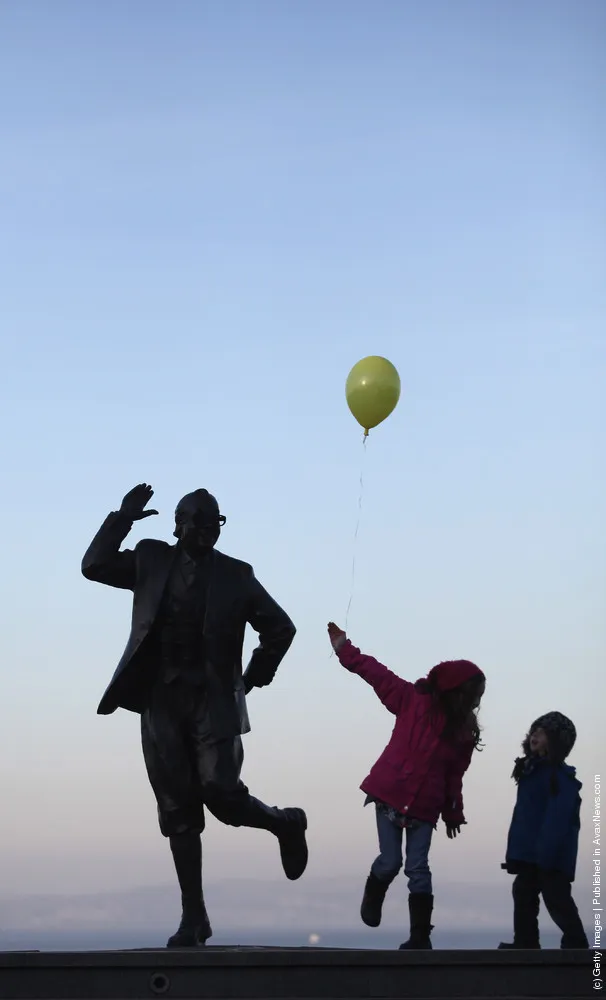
389	861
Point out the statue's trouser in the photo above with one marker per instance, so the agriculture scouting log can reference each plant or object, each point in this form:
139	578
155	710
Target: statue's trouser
189	770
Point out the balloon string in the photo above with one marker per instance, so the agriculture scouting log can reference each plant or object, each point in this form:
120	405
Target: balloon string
355	538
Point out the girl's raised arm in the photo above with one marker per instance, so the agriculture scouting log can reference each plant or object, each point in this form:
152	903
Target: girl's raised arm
393	691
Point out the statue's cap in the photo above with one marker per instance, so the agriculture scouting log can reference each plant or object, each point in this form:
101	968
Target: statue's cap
200	501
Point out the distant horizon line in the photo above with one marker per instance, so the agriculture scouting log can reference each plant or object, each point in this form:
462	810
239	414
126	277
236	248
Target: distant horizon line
233	880
246	937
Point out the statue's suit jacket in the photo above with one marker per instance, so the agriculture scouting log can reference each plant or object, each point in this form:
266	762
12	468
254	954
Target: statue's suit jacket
235	597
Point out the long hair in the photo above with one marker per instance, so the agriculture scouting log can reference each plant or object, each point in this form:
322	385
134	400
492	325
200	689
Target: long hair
456	708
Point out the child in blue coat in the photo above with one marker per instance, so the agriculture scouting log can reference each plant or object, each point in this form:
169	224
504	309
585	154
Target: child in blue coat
544	833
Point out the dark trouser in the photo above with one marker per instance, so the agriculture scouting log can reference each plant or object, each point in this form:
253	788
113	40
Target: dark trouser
188	768
555	888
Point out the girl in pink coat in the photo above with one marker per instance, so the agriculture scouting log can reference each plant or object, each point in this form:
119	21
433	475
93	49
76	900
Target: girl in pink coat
419	775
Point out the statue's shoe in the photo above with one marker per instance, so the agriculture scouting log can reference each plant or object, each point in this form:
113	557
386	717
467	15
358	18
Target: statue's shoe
293	842
192	932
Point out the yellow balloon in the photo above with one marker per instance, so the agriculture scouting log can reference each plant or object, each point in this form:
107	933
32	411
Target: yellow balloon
372	391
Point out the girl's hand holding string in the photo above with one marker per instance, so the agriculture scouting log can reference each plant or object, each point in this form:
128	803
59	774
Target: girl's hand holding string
337	636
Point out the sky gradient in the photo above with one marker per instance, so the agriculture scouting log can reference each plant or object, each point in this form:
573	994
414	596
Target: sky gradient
209	212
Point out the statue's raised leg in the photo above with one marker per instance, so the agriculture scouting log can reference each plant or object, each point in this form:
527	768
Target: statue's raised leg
228	799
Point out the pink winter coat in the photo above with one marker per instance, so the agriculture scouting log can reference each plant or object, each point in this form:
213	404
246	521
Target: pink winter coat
418	773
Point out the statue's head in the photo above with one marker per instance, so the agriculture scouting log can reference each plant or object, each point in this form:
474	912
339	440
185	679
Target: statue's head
198	521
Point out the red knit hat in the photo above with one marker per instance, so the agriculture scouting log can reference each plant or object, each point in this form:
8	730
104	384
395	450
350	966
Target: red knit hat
452	673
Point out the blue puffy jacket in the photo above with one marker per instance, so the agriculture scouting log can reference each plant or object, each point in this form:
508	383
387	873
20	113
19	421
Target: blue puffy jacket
545	825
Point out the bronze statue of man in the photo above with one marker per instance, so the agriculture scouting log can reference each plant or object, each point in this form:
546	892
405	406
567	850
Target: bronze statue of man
182	672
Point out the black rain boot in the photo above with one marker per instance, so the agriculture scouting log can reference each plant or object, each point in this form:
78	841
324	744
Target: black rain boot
577	941
289	826
519	947
420	906
194	929
372	900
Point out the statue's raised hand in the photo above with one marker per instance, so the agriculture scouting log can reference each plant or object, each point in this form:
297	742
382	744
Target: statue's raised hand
134	502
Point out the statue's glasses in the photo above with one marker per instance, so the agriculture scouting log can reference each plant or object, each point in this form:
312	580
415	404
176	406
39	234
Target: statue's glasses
203	522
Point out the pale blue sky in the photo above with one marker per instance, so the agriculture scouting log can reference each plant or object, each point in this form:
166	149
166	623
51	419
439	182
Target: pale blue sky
209	212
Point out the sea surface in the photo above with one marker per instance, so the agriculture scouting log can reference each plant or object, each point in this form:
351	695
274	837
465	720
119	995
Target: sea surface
119	940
